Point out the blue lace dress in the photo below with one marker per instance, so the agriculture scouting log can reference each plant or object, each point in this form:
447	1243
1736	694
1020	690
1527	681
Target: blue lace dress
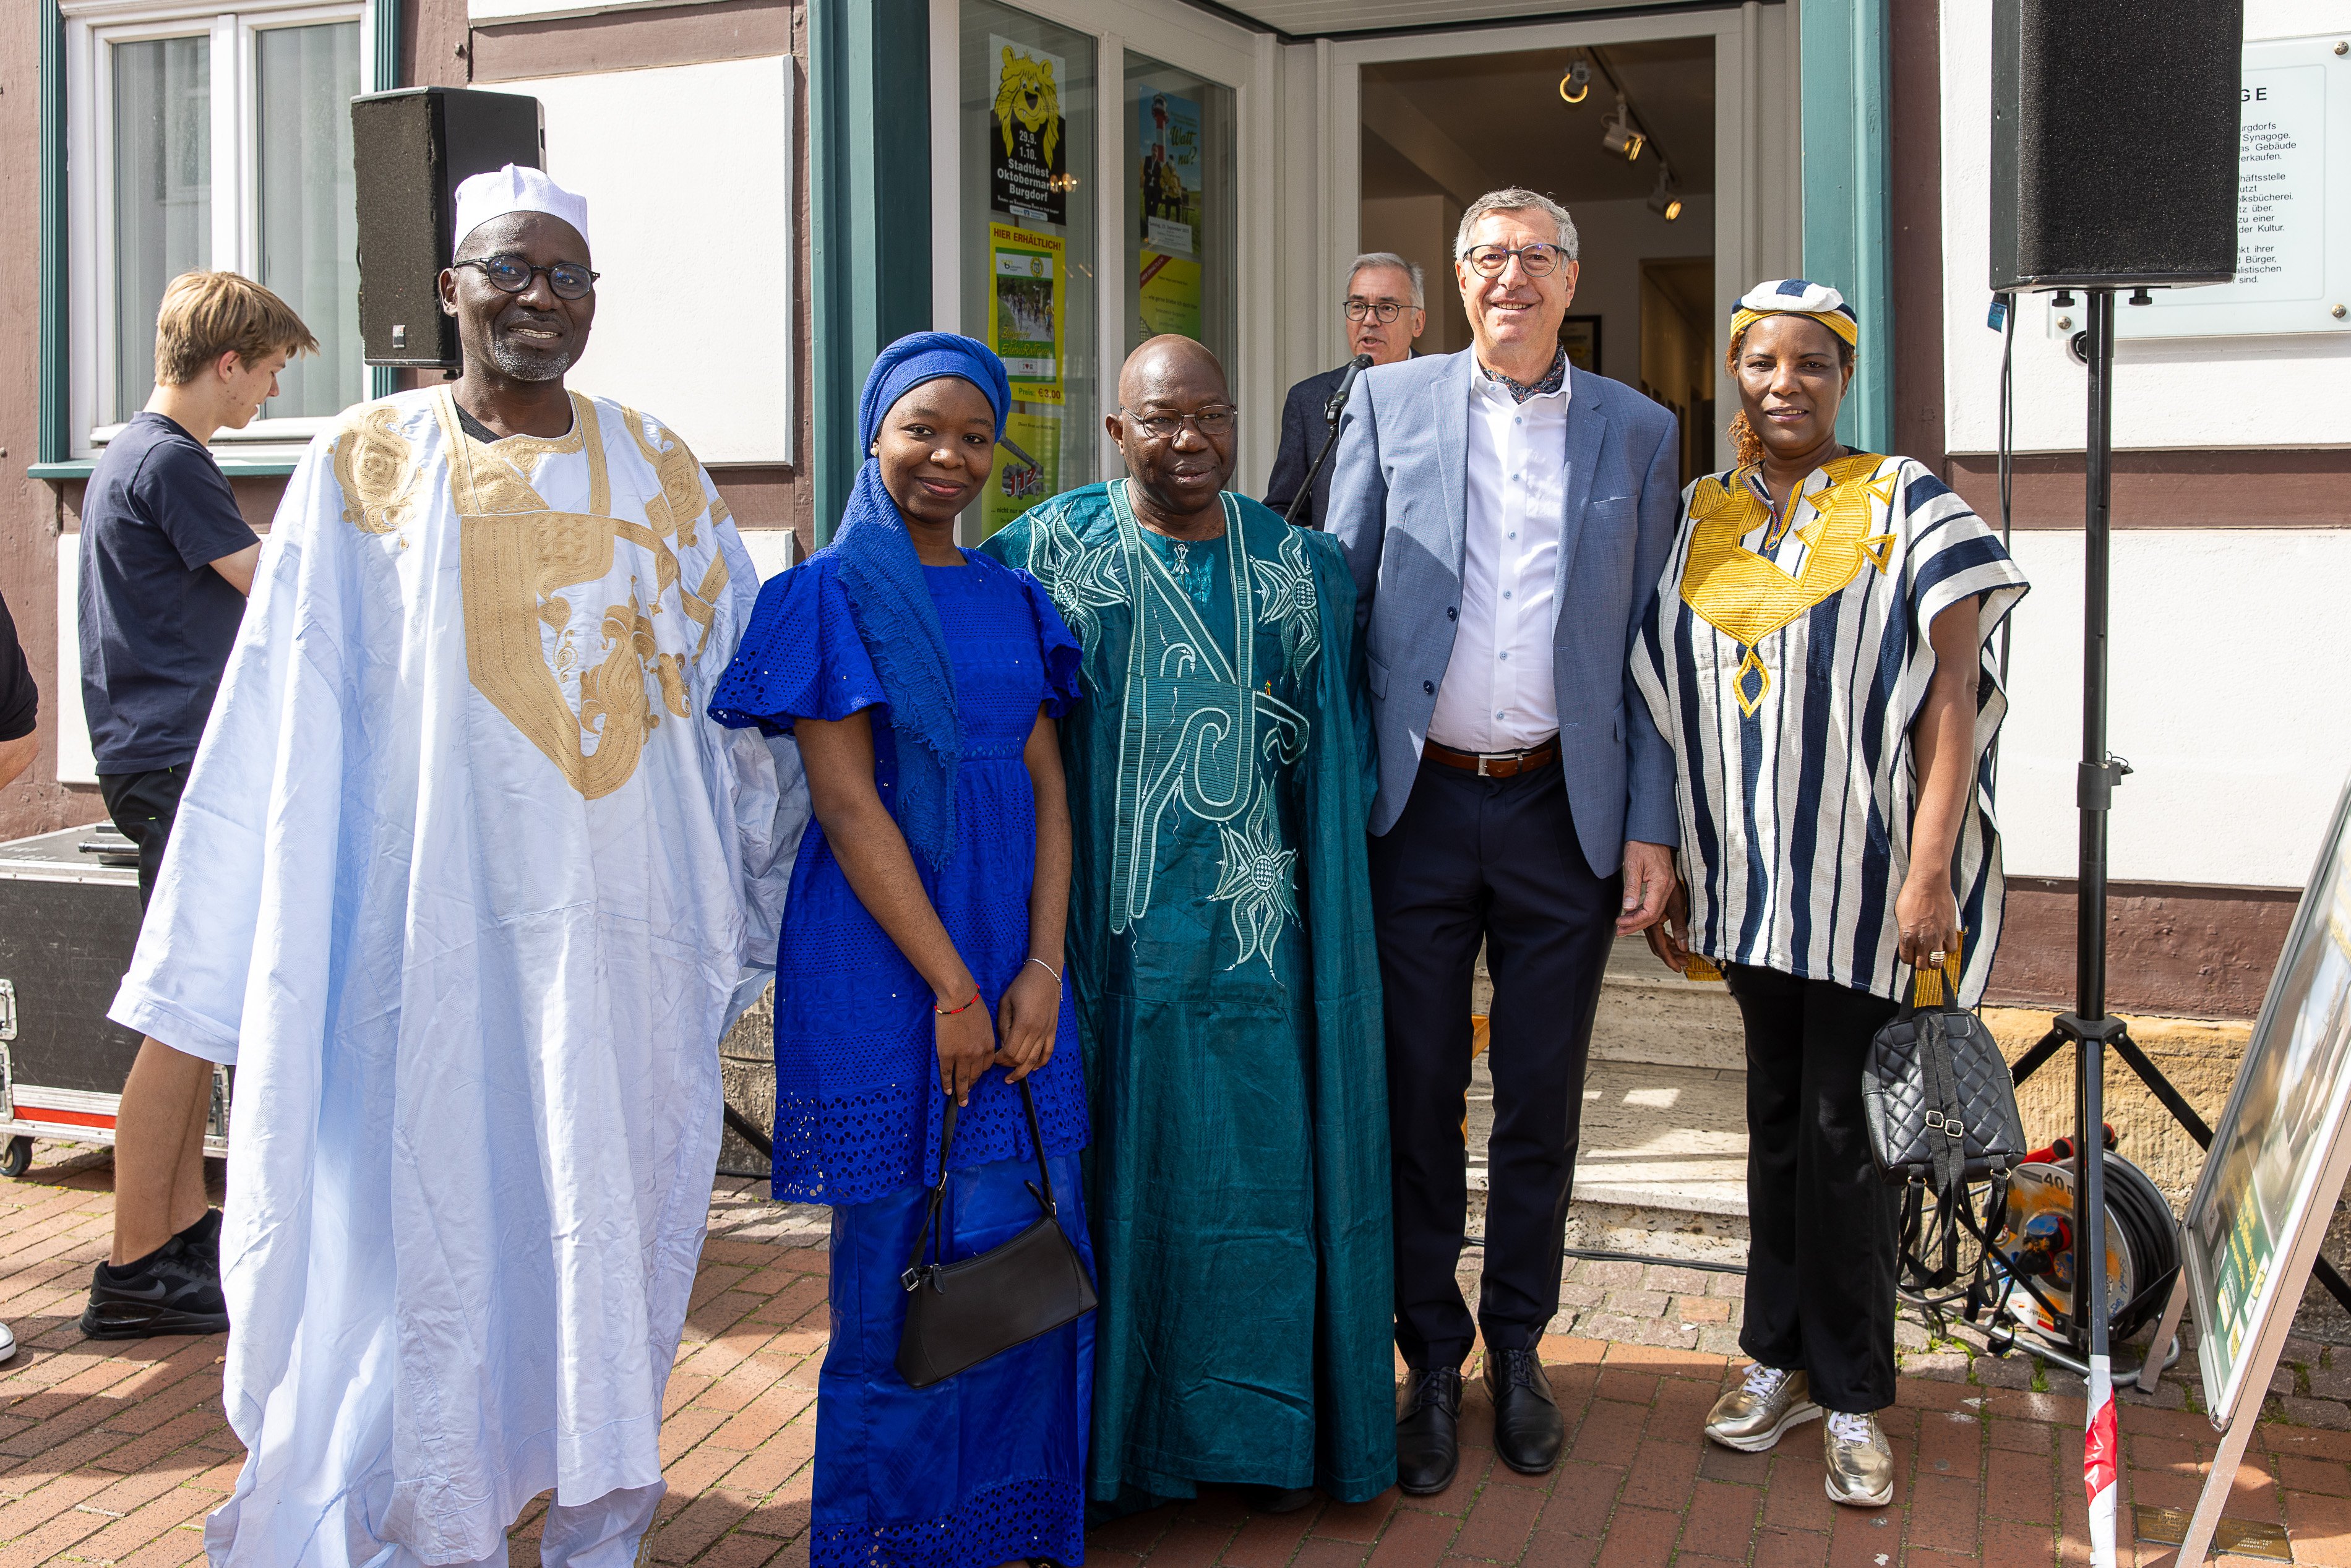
989	1466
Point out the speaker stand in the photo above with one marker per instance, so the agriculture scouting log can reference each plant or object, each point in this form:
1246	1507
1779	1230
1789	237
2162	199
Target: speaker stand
2087	1027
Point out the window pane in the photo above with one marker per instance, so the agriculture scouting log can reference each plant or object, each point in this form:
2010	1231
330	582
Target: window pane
1182	262
310	226
162	194
1027	137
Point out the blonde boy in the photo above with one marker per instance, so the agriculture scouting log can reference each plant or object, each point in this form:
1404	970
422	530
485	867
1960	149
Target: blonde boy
166	562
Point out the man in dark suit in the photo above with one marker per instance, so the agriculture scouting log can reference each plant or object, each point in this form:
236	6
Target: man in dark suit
1384	316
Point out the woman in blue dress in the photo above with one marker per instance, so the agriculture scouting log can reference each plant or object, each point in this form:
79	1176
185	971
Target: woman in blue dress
921	958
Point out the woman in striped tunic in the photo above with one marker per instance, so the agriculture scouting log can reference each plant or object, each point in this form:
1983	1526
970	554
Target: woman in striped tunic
1818	655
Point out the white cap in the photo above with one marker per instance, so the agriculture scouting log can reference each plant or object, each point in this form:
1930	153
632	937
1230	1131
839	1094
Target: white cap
517	188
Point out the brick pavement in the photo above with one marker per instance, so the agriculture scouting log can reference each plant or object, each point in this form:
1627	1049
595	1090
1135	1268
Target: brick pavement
112	1454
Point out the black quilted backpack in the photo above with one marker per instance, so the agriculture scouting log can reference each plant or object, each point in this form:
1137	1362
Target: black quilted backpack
1937	1094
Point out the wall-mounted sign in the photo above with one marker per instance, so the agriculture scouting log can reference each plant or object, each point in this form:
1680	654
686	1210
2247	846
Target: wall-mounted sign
1027	135
2294	225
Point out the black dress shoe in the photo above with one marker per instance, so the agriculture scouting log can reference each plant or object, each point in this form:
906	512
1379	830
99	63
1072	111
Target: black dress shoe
1277	1500
1429	1421
1527	1430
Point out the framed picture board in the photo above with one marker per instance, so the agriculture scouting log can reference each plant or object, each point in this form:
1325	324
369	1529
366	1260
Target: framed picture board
2278	1156
1580	336
2271	1176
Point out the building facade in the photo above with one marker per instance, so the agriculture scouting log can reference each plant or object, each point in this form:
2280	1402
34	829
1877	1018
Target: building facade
781	186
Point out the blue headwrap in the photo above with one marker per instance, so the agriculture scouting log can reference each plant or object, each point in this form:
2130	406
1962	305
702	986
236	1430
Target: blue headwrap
891	603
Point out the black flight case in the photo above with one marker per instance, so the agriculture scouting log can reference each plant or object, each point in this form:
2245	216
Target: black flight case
68	921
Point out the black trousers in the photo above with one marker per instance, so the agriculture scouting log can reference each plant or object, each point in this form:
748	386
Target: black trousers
144	806
1491	860
1820	1257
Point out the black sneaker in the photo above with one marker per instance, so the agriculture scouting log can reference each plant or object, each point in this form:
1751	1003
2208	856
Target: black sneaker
202	1241
174	1290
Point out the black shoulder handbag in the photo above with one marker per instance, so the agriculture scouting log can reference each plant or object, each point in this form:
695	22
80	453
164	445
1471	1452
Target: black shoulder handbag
1937	1094
959	1314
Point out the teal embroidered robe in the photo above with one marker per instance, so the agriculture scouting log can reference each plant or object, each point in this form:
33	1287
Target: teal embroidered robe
1226	985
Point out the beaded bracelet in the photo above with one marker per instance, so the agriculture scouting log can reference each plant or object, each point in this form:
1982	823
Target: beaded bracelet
950	1012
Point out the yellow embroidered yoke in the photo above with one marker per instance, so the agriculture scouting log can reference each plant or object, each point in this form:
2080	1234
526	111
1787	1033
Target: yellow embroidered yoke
468	887
1785	657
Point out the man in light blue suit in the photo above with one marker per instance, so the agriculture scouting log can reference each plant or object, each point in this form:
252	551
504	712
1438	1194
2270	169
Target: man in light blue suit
1506	519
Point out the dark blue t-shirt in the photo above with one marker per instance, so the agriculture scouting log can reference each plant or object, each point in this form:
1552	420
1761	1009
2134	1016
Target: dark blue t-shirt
157	622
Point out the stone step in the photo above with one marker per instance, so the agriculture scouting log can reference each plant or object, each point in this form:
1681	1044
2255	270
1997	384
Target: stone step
1663	1136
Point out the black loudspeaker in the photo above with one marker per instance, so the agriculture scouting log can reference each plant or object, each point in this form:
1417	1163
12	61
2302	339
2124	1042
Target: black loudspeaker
411	150
2114	141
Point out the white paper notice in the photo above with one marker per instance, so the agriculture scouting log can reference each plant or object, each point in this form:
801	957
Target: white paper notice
2292	251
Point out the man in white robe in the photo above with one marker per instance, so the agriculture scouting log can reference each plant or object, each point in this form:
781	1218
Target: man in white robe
467	888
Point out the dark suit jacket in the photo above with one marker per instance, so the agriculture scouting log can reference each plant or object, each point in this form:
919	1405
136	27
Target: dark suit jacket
1302	434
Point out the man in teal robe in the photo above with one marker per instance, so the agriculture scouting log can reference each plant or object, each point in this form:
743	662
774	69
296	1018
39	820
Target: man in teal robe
1222	962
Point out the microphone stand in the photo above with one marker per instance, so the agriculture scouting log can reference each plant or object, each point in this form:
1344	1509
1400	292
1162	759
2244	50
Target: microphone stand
1331	411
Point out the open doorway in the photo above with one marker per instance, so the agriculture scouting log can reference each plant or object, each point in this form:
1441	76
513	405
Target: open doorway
1633	160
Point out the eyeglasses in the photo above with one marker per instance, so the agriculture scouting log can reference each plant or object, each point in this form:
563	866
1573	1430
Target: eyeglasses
1211	422
1381	310
512	275
1535	260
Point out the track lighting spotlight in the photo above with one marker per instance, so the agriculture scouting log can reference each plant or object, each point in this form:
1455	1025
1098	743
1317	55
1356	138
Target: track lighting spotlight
1665	201
1577	85
1621	136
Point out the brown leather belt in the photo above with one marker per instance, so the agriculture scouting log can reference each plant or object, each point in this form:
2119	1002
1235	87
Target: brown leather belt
1494	764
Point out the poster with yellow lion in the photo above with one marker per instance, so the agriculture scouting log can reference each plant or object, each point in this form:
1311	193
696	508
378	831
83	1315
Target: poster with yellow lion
1027	172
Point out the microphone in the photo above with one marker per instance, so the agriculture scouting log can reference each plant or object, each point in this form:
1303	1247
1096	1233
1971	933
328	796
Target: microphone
1356	366
1331	411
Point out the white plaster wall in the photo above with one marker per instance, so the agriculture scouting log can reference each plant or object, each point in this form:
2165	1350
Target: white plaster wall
2228	651
1613	239
713	362
2288	390
77	758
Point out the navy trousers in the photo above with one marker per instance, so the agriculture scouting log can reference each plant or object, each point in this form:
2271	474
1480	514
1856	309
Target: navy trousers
1495	862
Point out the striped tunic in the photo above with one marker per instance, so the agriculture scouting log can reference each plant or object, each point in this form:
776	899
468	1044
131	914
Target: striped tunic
1785	659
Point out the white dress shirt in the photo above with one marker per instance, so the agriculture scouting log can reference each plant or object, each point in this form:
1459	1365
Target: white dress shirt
1496	693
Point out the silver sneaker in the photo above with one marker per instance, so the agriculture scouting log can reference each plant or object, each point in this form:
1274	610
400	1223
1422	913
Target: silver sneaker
1860	1461
1751	1417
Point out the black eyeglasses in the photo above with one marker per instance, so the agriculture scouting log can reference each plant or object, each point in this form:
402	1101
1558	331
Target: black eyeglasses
512	275
1535	260
1217	420
1381	310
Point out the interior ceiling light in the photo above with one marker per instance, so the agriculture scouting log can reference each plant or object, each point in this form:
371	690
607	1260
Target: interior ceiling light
1665	201
1621	136
1577	85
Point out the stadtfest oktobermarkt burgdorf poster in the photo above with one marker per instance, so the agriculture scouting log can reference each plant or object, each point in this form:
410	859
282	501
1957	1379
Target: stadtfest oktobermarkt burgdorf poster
1027	140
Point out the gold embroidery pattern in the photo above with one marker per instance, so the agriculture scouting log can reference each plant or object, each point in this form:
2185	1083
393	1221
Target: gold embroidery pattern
681	502
518	557
376	468
1746	597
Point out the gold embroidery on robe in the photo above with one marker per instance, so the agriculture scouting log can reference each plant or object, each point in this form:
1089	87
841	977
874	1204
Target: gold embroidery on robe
1747	597
681	502
376	466
517	556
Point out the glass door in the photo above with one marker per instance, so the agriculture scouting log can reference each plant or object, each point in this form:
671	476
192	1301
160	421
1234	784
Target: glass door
1027	140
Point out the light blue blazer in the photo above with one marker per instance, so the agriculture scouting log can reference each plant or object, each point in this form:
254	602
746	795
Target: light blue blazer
1399	504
